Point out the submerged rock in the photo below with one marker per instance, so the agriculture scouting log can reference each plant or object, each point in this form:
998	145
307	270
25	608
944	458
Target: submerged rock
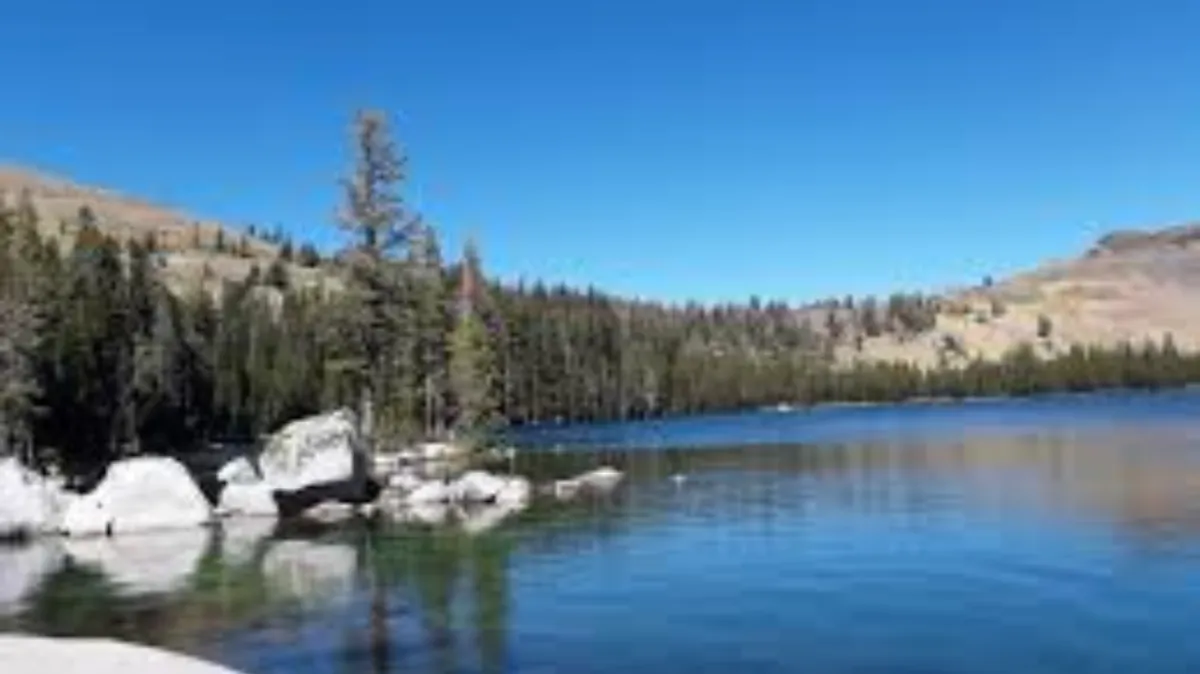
139	494
599	481
29	503
602	479
21	653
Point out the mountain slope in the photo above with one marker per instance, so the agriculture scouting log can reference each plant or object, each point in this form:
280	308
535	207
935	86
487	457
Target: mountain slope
195	252
1132	285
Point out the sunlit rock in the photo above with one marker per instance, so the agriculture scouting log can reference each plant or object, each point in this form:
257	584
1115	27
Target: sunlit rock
152	562
516	491
439	451
404	482
22	569
599	481
312	572
433	491
255	499
313	451
20	653
239	471
316	459
29	503
476	486
243	537
431	514
602	479
139	494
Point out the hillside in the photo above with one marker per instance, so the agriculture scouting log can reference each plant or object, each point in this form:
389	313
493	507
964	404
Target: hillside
193	250
1131	285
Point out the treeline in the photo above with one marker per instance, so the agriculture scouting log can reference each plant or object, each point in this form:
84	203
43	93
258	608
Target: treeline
99	358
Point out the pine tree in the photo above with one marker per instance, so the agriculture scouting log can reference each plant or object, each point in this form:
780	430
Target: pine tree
20	333
382	225
433	320
472	364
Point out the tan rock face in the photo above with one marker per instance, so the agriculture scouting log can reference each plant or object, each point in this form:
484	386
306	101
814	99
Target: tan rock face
1131	286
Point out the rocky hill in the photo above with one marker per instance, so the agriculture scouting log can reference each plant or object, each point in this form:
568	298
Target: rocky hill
194	251
1131	285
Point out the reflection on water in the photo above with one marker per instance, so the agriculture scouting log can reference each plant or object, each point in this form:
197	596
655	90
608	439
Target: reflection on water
1055	549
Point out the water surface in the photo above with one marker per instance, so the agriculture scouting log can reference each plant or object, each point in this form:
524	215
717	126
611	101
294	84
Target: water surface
1055	535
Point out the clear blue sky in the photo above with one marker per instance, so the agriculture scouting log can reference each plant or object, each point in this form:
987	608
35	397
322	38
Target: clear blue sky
664	148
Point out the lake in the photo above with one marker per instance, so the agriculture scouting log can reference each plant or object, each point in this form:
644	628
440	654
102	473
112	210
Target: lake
1059	534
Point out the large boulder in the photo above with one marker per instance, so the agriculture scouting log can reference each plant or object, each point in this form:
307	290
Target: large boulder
139	494
309	461
314	451
316	459
29	503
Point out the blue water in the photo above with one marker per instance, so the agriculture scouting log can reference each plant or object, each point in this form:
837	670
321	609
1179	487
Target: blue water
842	423
1051	535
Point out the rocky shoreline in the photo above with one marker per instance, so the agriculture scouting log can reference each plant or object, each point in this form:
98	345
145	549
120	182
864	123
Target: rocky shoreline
314	468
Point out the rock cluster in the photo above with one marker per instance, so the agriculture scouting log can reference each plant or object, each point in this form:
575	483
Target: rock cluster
314	468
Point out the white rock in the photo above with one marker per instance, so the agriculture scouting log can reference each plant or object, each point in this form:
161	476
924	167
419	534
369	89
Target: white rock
22	569
238	471
384	464
139	494
157	562
312	572
254	499
434	491
24	654
315	451
516	491
564	490
476	486
432	514
404	482
435	451
29	503
602	479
